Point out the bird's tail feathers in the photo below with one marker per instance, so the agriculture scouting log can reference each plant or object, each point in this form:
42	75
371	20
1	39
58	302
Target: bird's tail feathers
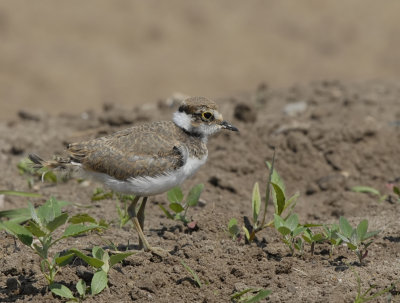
57	163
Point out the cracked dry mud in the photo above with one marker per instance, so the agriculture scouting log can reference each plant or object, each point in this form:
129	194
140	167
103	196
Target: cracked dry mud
335	137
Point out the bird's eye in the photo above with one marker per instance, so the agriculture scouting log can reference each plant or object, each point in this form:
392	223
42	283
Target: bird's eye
207	115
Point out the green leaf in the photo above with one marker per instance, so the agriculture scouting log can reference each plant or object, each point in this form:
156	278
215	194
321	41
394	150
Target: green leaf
61	290
49	176
343	237
297	231
275	178
279	199
35	229
102	255
77	229
175	195
99	194
256	202
268	187
166	212
19	231
176	207
82	218
181	217
62	204
238	294
57	222
284	230
307	236
351	246
233	227
311	225
292	222
370	234
318	237
22	213
278	221
33	213
96	263
99	282
103	223
298	244
16	221
362	228
192	272
194	195
49	211
114	259
64	260
345	227
98	252
366	189
232	222
396	190
291	202
81	287
105	259
19	193
262	294
25	166
246	233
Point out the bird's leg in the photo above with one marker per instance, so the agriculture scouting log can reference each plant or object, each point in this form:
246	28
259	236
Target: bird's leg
138	222
140	216
133	216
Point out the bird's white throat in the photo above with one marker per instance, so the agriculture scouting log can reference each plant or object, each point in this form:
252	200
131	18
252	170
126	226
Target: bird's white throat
183	120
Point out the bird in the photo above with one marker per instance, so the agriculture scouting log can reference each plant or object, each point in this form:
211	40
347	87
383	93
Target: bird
147	159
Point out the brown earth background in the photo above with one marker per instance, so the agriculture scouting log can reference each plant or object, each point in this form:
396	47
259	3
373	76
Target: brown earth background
74	70
74	55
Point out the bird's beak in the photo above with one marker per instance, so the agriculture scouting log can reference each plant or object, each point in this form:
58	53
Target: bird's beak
227	125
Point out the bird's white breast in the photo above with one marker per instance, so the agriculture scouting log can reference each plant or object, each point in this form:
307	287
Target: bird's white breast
149	186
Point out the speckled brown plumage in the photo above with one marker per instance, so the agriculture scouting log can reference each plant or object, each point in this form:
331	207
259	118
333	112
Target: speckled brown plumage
197	104
145	150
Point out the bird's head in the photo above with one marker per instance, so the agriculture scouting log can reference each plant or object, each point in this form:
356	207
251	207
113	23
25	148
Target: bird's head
200	116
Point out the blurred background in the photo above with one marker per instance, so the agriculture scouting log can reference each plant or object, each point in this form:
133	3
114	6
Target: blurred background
69	56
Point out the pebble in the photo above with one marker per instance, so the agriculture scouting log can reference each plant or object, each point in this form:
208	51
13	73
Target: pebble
295	108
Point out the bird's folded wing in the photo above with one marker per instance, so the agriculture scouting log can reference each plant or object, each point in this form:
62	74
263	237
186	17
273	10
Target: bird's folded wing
134	152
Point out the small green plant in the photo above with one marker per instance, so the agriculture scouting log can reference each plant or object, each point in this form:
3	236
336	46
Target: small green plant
38	234
331	235
355	238
121	204
100	194
180	206
193	273
368	295
101	262
369	190
18	215
311	238
123	214
290	229
258	294
281	204
233	229
27	167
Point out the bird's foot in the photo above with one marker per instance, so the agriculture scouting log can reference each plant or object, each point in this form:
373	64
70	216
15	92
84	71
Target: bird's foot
158	251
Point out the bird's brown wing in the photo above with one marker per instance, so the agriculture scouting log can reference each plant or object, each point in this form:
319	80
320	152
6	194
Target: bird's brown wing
145	150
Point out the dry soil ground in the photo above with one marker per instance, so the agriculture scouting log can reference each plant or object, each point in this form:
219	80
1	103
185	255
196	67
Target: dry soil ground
346	135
